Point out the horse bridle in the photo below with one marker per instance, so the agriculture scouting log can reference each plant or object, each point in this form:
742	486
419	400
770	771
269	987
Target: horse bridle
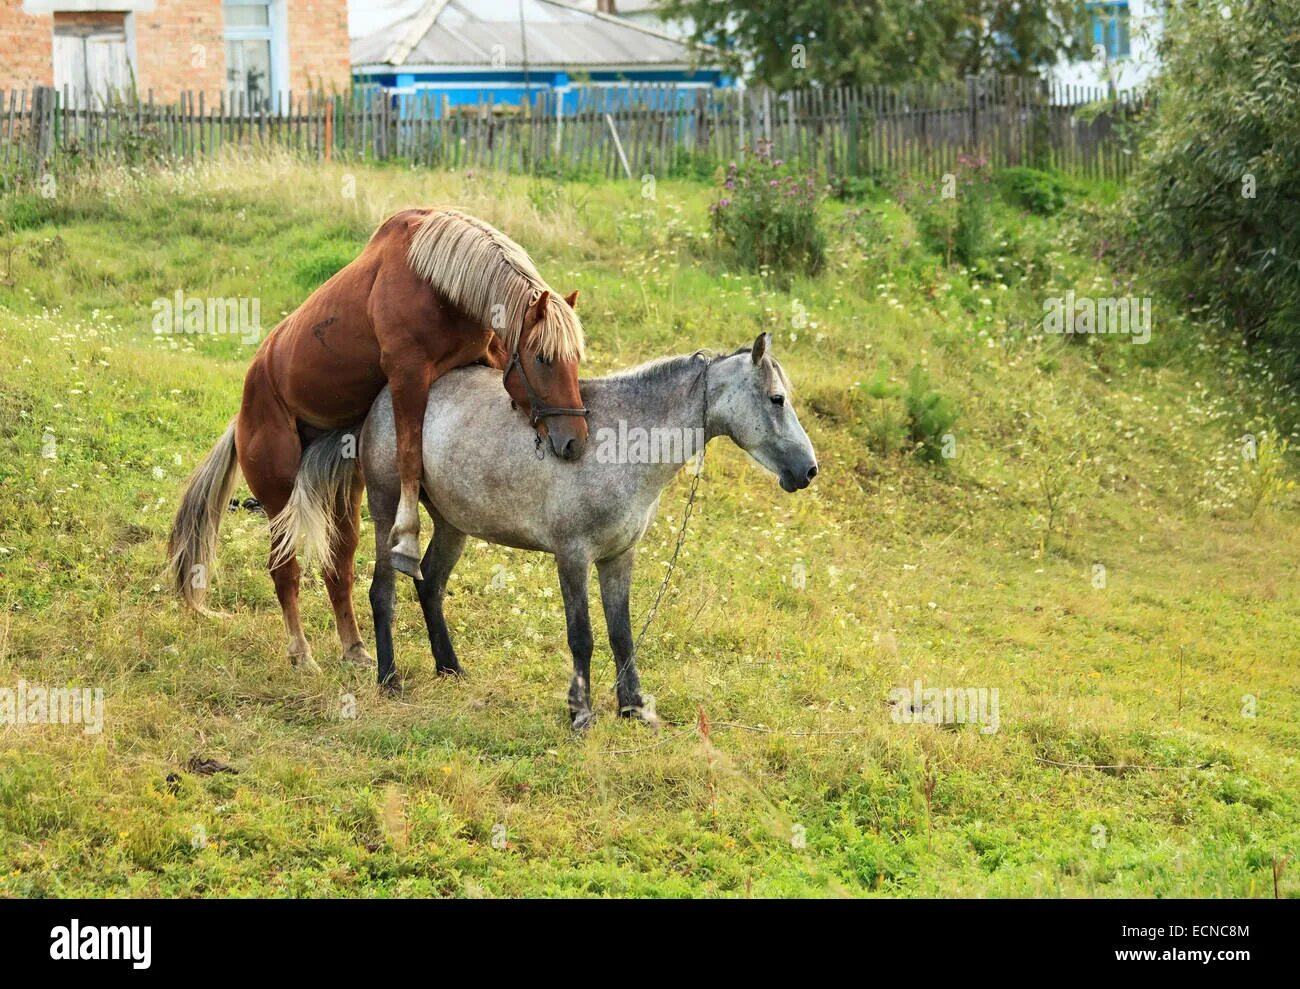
537	409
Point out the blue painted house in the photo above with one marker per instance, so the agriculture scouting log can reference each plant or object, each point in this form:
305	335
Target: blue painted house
1122	39
512	50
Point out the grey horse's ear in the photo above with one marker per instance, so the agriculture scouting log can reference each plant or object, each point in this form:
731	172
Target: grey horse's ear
760	347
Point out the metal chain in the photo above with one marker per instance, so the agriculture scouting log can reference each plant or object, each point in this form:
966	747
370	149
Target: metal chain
672	563
686	517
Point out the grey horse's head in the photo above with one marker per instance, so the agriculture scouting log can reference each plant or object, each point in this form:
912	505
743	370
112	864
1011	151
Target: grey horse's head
750	402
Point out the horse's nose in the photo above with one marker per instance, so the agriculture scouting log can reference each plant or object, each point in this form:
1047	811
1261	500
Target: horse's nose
812	472
568	437
572	448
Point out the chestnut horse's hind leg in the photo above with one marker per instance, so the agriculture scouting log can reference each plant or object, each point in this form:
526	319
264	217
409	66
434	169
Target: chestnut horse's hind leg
410	390
269	452
340	572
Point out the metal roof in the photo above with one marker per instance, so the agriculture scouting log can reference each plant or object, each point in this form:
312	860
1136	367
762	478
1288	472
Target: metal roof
488	33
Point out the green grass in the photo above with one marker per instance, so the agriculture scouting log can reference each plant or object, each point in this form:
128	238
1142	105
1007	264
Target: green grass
960	573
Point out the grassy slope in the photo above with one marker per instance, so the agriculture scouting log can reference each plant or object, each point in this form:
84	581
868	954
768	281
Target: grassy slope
948	575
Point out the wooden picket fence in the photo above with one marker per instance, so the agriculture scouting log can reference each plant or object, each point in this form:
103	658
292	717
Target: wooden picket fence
626	130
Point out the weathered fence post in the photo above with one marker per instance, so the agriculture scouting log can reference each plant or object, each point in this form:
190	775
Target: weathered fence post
972	96
740	123
42	133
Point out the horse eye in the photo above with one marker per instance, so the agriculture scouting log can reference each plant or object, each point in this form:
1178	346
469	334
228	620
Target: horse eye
542	360
778	399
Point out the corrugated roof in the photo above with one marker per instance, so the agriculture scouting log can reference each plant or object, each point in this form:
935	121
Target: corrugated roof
488	33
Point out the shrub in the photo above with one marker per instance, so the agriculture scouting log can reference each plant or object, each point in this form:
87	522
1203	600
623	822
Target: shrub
853	188
1264	481
886	428
954	215
768	216
29	212
1214	196
974	231
688	163
913	413
930	415
1039	192
862	232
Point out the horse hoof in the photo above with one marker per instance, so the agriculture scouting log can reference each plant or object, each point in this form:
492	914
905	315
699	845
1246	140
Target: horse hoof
303	663
451	671
408	565
582	721
357	654
392	686
644	715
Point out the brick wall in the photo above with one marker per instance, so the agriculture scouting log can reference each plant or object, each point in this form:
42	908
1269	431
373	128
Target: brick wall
180	45
26	48
318	45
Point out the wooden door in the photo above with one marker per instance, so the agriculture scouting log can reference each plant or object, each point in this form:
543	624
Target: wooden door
91	61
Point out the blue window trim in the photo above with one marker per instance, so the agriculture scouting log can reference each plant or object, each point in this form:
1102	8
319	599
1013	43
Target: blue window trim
1108	28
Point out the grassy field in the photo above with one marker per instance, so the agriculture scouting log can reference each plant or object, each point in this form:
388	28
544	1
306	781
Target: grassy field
1149	712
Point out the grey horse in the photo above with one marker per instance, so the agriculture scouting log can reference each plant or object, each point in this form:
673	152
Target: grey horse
484	476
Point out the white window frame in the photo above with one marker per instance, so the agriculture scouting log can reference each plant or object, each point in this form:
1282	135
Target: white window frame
276	32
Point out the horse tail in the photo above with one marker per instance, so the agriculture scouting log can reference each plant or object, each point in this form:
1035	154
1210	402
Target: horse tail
324	482
193	542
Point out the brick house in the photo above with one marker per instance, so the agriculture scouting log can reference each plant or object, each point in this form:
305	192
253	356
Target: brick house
255	49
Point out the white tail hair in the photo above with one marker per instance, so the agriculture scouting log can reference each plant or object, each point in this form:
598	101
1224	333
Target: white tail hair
320	492
192	547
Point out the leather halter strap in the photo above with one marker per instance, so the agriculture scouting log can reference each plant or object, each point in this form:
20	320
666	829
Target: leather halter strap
538	410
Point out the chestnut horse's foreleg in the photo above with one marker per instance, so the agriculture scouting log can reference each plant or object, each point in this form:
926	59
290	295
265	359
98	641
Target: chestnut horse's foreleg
340	571
574	571
269	452
615	589
439	560
410	390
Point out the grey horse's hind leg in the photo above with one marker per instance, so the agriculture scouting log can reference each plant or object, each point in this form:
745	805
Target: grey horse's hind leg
615	589
383	507
439	560
573	585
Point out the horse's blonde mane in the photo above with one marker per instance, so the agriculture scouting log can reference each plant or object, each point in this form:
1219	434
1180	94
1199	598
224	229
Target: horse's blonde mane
478	269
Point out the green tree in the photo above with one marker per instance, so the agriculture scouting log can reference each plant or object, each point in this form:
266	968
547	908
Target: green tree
880	41
1216	197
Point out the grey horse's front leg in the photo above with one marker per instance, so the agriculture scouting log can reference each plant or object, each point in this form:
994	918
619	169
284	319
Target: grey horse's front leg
439	560
615	591
573	585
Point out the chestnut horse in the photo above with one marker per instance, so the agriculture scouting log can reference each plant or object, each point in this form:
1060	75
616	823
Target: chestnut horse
432	290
